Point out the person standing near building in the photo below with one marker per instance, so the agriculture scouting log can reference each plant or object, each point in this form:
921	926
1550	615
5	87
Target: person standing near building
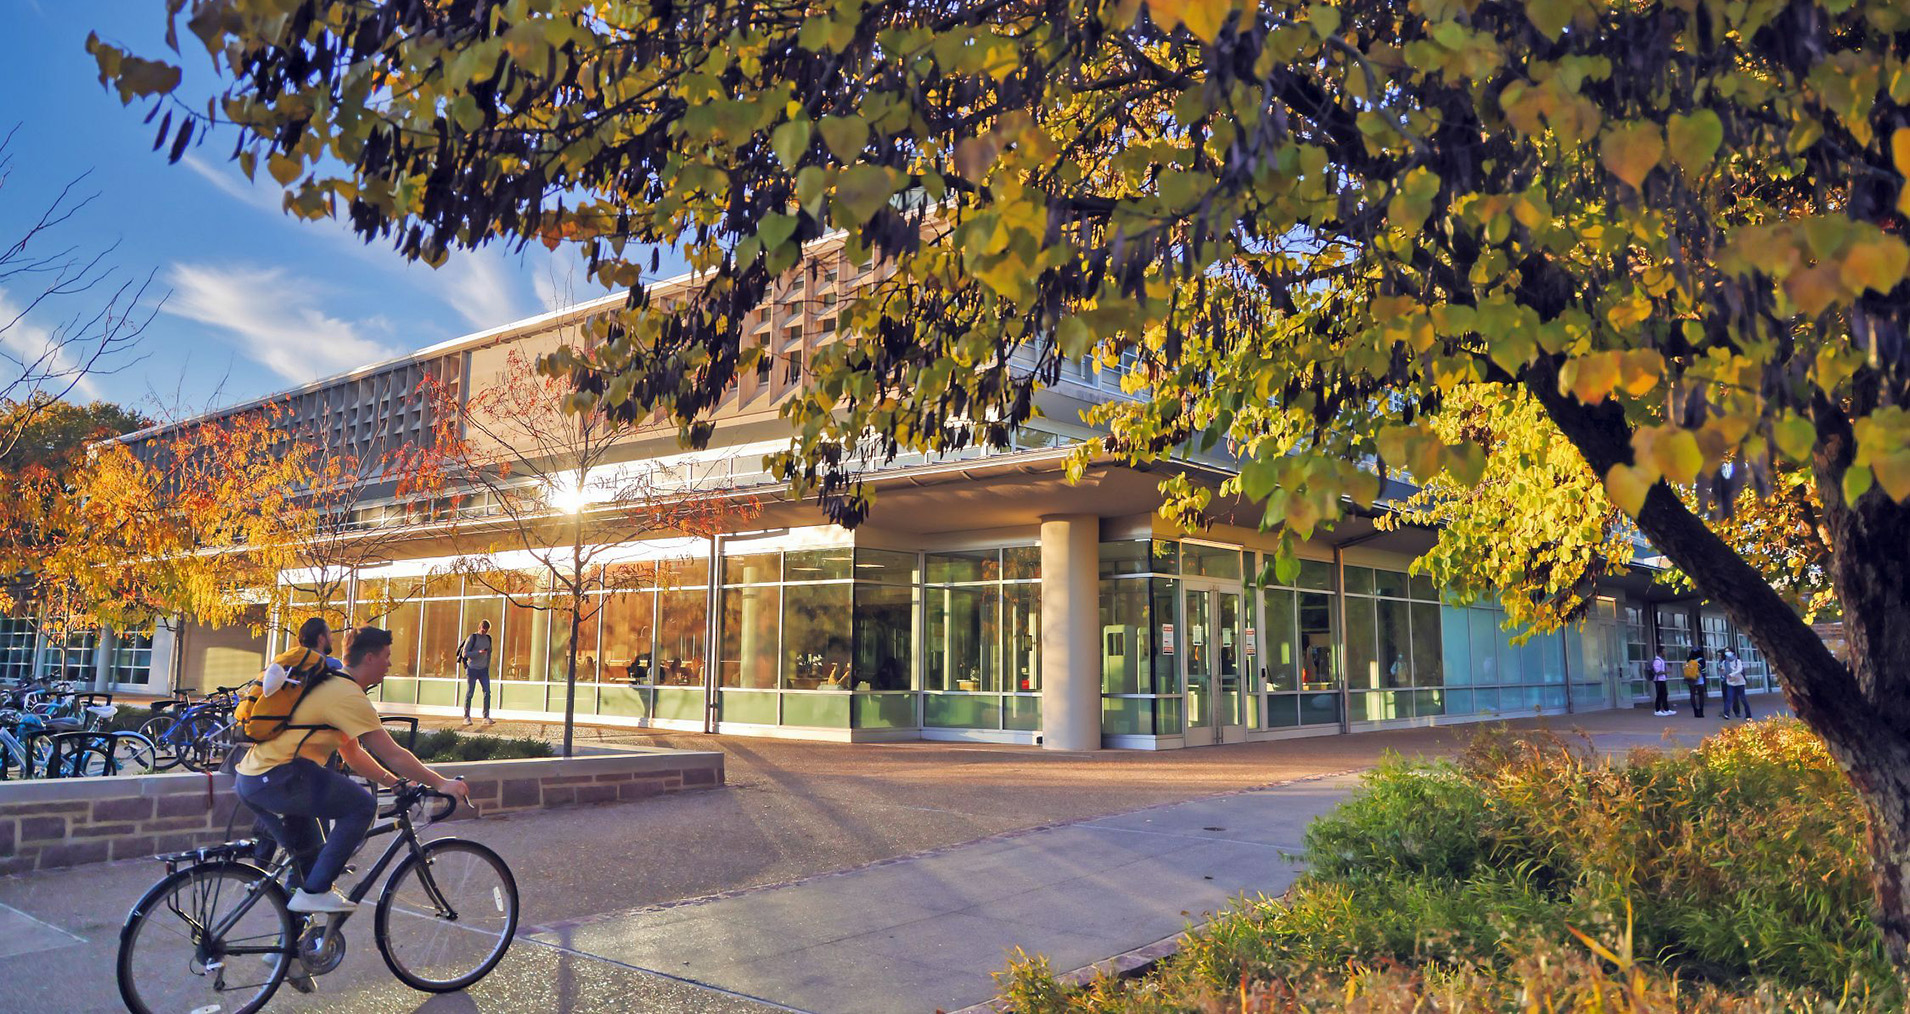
1660	688
1736	702
1694	682
475	655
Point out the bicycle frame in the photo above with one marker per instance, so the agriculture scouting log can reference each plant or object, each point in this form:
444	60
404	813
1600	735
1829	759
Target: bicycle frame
406	840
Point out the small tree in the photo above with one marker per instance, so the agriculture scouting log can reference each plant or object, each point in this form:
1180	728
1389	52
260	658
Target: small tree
559	490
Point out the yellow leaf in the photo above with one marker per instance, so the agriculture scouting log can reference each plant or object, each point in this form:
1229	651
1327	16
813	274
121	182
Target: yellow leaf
1900	154
1695	140
1893	474
1639	370
1875	264
1815	289
1678	456
1627	486
283	168
1632	150
1590	378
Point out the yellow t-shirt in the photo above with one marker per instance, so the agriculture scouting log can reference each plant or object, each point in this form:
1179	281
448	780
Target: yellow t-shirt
338	703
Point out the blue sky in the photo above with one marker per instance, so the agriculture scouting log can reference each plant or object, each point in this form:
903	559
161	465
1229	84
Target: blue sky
255	301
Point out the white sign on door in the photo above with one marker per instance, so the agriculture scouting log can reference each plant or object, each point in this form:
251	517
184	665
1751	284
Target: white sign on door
1167	638
1247	639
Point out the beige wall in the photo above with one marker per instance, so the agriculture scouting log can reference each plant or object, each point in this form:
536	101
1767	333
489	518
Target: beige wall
219	657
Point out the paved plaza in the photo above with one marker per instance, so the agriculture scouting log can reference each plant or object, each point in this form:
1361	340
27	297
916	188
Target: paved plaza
829	878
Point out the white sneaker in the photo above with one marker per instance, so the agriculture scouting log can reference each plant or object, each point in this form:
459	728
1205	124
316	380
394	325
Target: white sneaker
309	903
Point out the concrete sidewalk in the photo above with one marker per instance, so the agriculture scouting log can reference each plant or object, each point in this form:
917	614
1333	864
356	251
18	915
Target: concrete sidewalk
924	932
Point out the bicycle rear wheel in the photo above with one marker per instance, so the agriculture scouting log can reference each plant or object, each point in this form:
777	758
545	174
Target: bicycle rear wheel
211	740
168	963
134	754
445	922
158	729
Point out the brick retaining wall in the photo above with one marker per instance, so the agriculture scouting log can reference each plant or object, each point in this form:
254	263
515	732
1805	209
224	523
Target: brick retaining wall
70	821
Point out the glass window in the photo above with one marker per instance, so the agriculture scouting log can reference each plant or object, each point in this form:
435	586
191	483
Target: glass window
1210	561
1124	637
439	638
559	667
963	623
490	607
1395	645
1359	580
1316	574
1389	582
1428	667
682	628
1021	629
752	622
816	637
683	574
1422	587
884	636
1162	593
1485	646
523	636
628	622
1317	669
1362	659
1021	563
817	565
1123	558
1279	649
885	567
754	568
403	622
961	568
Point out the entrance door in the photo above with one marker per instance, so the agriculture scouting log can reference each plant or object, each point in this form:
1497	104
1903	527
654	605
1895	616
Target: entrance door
1214	666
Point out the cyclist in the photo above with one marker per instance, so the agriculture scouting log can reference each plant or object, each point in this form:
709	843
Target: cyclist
286	782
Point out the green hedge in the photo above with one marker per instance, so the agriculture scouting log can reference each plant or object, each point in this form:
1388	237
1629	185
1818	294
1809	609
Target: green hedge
1739	866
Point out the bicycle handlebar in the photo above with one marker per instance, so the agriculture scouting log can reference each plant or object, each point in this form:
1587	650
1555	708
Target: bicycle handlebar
406	795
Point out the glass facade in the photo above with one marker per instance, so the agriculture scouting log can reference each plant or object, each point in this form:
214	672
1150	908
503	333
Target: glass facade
1199	642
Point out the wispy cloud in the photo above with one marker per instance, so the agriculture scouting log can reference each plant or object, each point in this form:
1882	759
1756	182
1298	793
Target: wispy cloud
483	287
229	181
37	356
271	320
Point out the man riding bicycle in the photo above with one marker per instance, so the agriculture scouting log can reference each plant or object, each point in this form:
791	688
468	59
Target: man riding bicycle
284	778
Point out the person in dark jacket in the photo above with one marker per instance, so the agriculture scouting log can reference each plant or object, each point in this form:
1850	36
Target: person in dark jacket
475	655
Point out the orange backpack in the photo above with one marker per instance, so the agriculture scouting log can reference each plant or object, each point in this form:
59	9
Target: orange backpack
262	716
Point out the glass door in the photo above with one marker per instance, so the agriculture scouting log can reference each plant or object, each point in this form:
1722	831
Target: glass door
1197	616
1229	697
1215	666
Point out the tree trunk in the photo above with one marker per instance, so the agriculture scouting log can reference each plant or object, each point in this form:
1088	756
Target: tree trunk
570	679
1862	710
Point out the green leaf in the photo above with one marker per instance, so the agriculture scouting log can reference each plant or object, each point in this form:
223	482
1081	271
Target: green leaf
845	136
789	141
1550	16
863	190
1632	150
1695	140
1857	480
1795	437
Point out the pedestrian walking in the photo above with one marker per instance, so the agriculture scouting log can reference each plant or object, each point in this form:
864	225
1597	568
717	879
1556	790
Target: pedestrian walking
1736	702
1660	687
1694	682
475	655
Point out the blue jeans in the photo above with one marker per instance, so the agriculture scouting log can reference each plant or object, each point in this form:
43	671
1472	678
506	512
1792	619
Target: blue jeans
473	678
1735	702
293	798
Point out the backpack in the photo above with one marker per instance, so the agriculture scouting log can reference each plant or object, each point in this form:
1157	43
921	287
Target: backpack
262	716
1694	671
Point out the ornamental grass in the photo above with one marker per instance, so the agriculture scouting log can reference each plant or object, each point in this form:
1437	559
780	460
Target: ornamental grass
1532	874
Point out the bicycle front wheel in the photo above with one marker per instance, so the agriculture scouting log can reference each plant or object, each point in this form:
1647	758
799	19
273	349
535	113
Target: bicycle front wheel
159	730
172	960
133	754
446	921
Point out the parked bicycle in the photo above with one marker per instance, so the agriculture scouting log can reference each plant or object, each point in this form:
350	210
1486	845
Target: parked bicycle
196	734
215	935
51	730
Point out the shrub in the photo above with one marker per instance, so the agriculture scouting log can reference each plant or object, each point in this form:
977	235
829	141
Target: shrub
443	745
1739	866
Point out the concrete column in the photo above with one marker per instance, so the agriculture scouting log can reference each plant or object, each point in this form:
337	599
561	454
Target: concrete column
1070	610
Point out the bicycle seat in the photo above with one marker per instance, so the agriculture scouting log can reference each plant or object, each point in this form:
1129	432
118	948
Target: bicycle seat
65	725
103	710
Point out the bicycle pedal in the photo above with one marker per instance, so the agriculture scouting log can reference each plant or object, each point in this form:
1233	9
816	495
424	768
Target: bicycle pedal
302	983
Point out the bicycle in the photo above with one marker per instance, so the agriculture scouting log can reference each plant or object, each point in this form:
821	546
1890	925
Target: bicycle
197	735
200	937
